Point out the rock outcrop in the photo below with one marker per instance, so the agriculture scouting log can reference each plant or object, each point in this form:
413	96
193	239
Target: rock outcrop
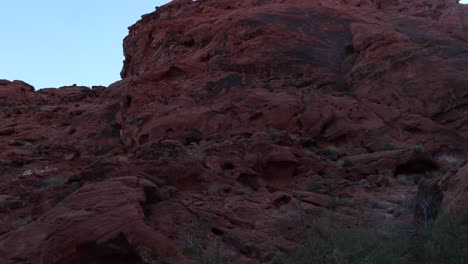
237	125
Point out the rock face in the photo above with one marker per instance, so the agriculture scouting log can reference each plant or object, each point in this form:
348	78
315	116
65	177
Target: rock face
236	126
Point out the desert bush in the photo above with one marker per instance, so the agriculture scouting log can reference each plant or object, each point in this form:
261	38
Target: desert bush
445	240
388	147
347	163
338	202
314	187
50	182
274	135
344	245
193	245
343	87
24	221
331	153
409	179
148	257
418	149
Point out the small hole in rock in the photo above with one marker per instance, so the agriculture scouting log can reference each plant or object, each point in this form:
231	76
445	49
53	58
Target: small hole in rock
227	166
217	231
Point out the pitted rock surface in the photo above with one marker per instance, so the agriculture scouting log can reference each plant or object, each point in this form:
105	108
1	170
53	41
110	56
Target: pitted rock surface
238	125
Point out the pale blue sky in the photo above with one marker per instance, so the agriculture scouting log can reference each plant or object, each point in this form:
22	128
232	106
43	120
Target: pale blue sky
52	43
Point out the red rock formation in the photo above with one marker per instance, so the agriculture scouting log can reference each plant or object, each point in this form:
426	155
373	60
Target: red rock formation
237	125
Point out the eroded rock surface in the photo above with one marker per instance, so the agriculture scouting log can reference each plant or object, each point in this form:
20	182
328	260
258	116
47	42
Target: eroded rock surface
236	126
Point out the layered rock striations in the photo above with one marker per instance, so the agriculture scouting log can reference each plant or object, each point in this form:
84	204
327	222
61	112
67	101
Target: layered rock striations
236	126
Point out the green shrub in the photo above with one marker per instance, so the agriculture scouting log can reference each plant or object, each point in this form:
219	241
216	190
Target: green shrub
274	135
388	147
51	182
337	202
445	240
409	179
331	153
418	149
442	171
62	195
373	203
148	257
100	178
347	163
342	86
344	245
193	245
313	187
213	189
24	221
269	87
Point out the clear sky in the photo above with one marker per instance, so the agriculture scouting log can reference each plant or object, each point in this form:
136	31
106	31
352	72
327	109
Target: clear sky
52	43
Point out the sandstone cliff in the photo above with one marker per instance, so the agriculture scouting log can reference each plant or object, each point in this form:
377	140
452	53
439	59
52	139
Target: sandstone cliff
238	124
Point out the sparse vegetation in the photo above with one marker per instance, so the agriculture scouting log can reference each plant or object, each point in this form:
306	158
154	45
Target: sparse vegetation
269	87
443	241
343	87
62	195
331	153
339	244
347	163
51	182
193	246
418	149
442	171
245	190
373	203
148	257
48	183
212	189
409	179
407	203
297	196
388	147
456	163
274	135
337	202
100	178
24	221
313	187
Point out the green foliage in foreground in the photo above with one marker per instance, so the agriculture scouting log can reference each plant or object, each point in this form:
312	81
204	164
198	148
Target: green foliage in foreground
442	241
